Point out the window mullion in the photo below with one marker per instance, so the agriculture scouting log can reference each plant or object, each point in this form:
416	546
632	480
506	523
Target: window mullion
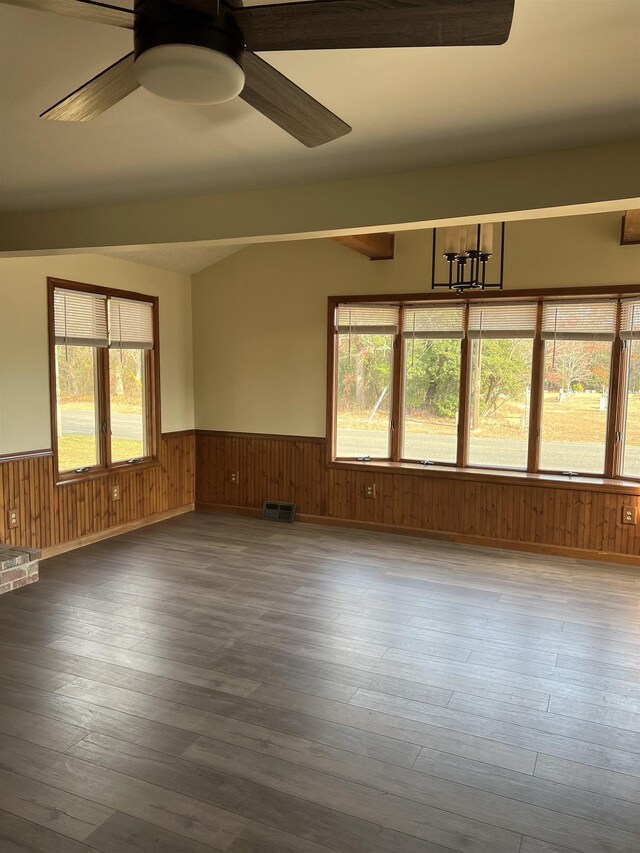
537	388
149	413
105	413
615	412
463	406
332	383
397	392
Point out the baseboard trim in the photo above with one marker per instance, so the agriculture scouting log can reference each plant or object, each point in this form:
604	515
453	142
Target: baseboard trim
501	544
72	544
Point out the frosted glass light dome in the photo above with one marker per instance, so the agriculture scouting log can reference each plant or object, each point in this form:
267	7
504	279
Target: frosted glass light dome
189	73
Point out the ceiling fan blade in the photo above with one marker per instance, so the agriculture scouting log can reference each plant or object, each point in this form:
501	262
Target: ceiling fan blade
325	24
207	7
87	10
98	94
288	106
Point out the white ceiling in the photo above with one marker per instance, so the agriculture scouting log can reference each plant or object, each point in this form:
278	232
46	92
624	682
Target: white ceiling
188	259
569	76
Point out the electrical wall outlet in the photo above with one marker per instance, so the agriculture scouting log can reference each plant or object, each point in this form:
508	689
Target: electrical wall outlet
234	477
12	518
629	515
370	490
115	493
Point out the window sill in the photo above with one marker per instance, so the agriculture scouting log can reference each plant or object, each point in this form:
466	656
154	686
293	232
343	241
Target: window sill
68	479
495	475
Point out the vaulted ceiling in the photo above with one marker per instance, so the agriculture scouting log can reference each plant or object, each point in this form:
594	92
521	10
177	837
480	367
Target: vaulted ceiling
569	76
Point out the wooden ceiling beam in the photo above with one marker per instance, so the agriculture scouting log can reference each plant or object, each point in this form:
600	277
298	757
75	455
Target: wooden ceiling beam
376	247
630	233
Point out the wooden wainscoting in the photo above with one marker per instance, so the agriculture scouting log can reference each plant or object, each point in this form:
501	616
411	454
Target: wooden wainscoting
573	521
56	518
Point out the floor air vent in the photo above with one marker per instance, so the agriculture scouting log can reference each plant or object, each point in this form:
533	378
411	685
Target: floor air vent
276	511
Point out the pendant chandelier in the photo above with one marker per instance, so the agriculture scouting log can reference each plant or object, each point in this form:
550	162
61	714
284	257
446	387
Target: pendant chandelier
468	250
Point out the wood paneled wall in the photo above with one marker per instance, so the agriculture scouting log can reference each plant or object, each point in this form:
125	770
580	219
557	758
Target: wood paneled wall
573	521
52	516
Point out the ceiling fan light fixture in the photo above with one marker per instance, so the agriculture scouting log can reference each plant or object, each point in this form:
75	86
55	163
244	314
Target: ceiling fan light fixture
189	73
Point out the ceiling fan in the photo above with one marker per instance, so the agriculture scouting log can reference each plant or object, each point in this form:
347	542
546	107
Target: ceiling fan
202	51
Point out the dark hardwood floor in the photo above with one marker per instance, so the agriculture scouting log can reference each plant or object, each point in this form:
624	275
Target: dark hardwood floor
220	683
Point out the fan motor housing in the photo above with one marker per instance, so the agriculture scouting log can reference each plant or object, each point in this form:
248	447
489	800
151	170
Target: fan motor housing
159	22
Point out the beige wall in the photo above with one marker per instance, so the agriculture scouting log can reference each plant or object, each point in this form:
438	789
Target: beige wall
24	356
259	317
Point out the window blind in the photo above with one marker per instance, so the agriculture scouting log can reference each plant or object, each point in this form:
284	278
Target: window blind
630	320
367	319
80	318
130	324
515	320
433	321
579	321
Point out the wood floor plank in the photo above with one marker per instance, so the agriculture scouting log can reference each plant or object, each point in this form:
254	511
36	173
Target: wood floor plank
169	809
520	736
77	665
58	603
393	636
336	670
595	733
151	665
608	716
352	801
231	665
401	726
122	833
397	842
551	681
96	718
18	835
258	838
33	675
235	792
561	798
25	634
202	711
534	845
619	826
66	814
536	639
38	729
597	779
69	627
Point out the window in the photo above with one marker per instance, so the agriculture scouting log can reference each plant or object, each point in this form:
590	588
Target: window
532	384
577	374
104	381
630	335
366	337
78	424
432	340
501	360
